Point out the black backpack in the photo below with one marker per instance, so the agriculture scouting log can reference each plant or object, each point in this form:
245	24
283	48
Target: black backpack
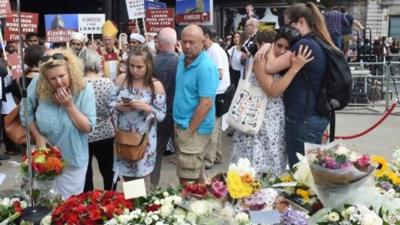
336	88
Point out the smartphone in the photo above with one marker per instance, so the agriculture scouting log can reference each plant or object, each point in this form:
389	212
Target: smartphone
125	100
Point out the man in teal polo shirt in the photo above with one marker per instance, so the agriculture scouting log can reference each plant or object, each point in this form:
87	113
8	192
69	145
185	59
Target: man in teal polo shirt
193	108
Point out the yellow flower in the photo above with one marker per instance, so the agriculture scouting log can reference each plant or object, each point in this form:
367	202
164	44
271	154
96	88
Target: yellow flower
304	194
236	187
286	178
380	160
247	178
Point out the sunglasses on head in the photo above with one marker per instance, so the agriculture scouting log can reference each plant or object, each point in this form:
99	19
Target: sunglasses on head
57	56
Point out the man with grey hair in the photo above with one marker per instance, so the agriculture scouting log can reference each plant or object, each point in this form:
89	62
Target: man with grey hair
165	64
251	29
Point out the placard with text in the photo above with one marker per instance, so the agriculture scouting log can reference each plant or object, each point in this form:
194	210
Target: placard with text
135	9
29	23
156	19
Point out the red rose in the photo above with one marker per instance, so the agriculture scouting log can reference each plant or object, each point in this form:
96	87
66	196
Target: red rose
152	208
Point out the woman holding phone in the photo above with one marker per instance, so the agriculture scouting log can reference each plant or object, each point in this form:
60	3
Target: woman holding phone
138	102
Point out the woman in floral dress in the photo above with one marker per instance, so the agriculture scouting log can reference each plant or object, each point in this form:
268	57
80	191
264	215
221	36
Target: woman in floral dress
137	102
266	149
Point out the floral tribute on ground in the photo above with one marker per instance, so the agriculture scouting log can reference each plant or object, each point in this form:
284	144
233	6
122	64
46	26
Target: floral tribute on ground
47	163
331	185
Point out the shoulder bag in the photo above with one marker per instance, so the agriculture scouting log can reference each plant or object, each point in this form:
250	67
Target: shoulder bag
247	110
12	124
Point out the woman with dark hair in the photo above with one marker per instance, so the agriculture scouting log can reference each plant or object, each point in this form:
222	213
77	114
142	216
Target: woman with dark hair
138	102
234	53
32	57
266	149
303	122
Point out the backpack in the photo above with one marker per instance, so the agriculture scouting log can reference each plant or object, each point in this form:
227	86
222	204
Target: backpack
336	87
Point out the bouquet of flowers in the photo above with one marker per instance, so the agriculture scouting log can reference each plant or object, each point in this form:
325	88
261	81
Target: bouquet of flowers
388	175
91	208
336	171
241	180
355	214
296	190
10	210
47	163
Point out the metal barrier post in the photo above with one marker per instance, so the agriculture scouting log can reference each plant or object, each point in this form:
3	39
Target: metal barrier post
387	76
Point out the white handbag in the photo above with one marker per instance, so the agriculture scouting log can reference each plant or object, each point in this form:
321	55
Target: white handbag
247	110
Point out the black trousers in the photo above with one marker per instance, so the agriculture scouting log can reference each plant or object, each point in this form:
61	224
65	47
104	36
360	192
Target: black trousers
235	77
103	150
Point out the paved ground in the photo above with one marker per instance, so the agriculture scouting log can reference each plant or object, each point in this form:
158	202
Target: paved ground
382	141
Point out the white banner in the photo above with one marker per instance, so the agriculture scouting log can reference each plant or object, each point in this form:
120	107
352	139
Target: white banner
135	9
90	23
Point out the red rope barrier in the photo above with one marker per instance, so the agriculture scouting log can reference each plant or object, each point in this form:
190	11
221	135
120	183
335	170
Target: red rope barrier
387	113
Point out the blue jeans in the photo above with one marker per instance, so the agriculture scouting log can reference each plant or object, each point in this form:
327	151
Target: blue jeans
299	131
337	40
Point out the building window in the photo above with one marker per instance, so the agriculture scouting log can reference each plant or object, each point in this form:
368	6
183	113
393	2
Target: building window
394	26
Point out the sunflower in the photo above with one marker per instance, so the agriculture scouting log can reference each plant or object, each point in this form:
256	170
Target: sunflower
380	161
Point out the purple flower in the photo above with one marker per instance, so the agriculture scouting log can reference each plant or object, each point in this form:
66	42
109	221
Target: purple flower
218	189
330	163
385	185
294	217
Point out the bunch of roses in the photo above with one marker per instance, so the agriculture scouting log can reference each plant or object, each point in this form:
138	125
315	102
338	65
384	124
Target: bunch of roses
352	215
11	209
91	208
47	163
241	181
138	216
156	210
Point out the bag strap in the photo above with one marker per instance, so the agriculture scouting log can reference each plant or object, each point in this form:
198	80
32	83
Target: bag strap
248	69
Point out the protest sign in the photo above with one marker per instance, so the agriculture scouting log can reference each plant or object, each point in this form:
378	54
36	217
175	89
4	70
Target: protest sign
135	9
29	23
5	8
14	61
59	27
156	19
199	11
91	23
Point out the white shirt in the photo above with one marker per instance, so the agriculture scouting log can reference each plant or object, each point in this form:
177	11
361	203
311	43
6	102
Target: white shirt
219	56
8	104
235	56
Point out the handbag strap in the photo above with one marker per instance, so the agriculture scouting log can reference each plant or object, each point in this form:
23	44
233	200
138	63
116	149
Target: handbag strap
248	69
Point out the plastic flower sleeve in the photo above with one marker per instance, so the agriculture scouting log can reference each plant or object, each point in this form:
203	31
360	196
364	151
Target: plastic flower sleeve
333	186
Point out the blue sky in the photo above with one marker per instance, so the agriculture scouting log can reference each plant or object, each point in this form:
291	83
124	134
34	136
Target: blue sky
70	21
182	5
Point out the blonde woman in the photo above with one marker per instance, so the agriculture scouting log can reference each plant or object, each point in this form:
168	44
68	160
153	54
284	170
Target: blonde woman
62	110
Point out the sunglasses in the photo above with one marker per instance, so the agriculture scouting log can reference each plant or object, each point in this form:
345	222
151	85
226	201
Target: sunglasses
57	56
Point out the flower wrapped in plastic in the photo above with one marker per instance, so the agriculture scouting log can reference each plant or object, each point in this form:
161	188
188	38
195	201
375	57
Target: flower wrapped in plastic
47	163
336	171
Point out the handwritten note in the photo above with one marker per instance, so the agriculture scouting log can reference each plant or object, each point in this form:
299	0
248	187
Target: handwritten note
134	189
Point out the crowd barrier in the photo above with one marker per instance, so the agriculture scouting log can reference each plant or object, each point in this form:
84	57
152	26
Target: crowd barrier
375	85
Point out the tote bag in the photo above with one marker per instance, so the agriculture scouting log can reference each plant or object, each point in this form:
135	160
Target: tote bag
247	110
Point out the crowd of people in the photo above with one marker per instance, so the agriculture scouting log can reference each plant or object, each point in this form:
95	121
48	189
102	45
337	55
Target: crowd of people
82	97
